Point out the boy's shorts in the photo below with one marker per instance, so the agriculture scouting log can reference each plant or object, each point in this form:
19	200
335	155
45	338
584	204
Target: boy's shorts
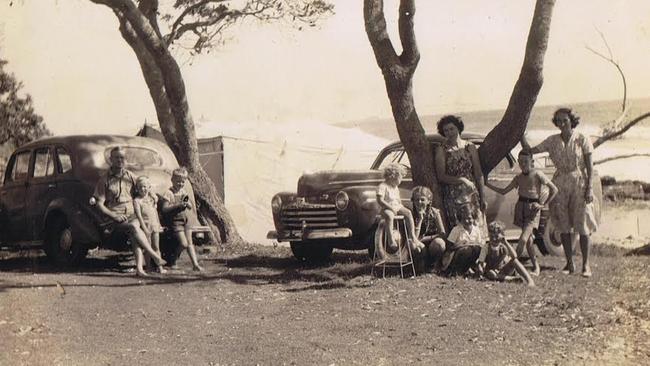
179	223
526	213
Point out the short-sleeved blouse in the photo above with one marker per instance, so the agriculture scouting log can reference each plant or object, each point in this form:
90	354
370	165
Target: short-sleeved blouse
568	157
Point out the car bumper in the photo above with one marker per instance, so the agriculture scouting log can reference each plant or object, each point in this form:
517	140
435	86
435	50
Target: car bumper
297	235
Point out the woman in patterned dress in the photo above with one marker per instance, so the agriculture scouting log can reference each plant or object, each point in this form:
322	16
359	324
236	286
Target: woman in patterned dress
459	171
570	152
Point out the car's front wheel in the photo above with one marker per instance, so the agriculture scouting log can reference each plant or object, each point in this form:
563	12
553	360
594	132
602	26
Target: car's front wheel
312	252
60	246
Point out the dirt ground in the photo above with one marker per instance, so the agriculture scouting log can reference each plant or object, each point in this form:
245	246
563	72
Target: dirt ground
257	305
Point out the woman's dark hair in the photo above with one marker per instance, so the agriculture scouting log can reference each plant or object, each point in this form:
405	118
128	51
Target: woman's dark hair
456	120
575	119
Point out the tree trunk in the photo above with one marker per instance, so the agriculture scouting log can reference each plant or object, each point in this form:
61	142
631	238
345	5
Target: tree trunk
505	135
167	89
398	75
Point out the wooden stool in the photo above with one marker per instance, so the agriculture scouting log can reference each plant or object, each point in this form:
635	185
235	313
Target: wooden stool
402	257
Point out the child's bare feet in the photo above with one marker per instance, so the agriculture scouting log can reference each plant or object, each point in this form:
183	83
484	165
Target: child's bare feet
530	284
161	270
141	273
197	268
416	245
569	268
392	247
536	270
159	261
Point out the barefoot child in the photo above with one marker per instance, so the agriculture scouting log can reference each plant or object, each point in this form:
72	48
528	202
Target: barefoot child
175	203
428	224
501	259
464	243
144	205
390	204
529	185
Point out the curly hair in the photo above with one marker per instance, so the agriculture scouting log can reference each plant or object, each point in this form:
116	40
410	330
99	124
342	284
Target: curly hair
573	117
455	120
497	227
421	191
392	170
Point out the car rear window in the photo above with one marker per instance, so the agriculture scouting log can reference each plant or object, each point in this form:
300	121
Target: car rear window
136	156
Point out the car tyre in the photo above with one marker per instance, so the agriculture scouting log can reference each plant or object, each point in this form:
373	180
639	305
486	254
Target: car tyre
311	252
552	240
60	246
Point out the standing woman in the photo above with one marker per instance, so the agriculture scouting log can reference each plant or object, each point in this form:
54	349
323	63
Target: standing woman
570	152
459	170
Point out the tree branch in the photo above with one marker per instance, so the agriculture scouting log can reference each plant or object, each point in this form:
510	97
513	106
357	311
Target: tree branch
375	23
505	135
618	157
611	60
410	54
618	132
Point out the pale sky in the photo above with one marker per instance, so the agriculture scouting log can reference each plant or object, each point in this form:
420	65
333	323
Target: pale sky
85	79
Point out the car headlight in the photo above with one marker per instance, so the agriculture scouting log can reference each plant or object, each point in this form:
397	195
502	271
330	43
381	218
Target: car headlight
342	200
276	204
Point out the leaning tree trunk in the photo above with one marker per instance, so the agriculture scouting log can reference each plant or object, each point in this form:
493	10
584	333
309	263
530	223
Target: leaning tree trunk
398	73
505	135
165	81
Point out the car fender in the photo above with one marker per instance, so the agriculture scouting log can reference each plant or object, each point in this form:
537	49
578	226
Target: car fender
82	221
361	213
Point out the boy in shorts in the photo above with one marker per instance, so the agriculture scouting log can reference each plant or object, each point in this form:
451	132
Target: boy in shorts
175	203
529	186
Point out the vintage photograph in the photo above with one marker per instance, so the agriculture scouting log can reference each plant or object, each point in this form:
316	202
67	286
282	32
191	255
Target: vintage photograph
324	182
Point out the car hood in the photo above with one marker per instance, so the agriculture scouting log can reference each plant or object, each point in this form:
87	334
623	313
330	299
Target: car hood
311	184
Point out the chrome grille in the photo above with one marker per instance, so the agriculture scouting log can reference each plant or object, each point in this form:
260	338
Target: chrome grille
309	215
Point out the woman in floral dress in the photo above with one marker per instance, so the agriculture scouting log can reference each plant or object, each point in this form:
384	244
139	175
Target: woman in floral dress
459	171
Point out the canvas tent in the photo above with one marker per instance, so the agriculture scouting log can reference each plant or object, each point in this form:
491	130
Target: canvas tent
250	162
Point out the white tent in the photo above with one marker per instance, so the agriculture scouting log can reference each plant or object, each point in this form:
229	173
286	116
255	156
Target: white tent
250	163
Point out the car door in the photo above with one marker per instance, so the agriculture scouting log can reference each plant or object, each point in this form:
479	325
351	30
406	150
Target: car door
13	198
40	190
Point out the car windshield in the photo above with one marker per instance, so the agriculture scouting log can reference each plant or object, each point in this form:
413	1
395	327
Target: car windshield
396	156
139	157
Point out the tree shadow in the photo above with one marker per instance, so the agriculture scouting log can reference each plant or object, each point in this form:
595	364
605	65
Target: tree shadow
248	269
35	262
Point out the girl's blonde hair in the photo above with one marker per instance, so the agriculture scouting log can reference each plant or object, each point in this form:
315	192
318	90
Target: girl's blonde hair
142	180
392	170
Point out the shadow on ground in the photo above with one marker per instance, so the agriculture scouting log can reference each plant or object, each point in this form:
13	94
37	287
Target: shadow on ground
249	268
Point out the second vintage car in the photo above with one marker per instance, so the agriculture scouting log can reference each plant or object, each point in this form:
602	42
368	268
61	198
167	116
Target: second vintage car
338	209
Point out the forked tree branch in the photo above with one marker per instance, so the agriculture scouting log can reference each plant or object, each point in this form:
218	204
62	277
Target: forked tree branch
618	132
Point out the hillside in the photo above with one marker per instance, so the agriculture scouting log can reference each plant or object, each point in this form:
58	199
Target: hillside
591	113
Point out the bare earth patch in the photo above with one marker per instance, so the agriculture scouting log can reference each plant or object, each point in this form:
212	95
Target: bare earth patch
257	305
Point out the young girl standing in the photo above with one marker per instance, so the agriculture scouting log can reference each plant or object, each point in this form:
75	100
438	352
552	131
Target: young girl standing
145	204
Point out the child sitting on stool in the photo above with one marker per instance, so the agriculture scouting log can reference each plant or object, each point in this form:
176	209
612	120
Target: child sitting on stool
175	202
390	204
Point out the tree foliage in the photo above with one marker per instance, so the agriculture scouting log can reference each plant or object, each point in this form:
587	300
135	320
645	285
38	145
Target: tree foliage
19	123
200	25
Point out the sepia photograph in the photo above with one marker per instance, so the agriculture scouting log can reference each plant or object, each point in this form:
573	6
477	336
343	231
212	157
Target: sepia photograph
324	182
